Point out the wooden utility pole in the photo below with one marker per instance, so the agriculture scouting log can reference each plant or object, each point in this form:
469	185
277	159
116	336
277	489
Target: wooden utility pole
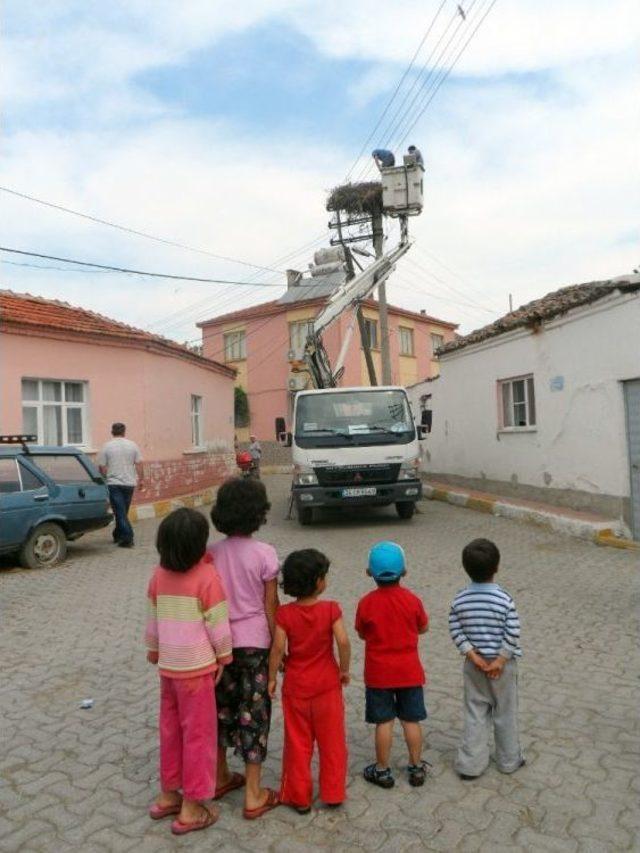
385	355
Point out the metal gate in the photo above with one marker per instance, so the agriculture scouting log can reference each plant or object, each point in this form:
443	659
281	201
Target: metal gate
632	409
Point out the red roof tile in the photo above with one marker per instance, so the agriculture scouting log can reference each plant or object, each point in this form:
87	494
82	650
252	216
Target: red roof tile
42	315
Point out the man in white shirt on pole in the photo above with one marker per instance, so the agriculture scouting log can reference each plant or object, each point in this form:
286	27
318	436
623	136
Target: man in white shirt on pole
120	463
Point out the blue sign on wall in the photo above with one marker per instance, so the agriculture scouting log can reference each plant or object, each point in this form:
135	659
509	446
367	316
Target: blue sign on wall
556	383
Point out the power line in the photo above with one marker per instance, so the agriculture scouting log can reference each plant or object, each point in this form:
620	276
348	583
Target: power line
397	89
128	230
133	272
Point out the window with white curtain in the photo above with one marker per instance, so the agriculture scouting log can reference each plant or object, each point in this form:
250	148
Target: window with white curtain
196	421
235	347
518	403
406	340
56	411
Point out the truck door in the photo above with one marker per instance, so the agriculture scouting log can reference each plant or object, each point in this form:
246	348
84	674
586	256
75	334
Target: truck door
23	500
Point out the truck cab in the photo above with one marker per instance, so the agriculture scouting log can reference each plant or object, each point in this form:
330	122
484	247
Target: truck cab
355	447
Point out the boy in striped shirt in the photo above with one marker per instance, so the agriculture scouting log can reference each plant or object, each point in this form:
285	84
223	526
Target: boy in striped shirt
484	625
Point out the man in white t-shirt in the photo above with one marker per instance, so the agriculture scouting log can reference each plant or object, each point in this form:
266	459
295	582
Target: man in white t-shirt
120	463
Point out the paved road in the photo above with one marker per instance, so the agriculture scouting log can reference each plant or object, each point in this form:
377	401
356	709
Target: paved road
82	780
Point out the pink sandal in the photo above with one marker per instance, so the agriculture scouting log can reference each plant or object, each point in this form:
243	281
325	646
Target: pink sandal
236	780
157	812
178	828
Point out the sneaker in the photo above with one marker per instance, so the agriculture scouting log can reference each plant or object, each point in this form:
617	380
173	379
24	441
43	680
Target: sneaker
418	773
123	544
382	778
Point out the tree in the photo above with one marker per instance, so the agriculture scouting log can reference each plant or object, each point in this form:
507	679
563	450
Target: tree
241	412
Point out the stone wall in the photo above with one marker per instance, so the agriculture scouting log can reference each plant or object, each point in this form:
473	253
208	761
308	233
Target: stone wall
170	478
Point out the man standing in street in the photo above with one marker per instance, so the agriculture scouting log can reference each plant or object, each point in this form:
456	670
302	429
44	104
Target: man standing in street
256	455
120	463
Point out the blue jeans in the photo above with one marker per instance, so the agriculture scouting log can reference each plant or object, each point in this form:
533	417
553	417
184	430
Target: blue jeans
120	499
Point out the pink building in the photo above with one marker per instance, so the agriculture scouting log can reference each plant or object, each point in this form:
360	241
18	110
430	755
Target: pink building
67	374
264	342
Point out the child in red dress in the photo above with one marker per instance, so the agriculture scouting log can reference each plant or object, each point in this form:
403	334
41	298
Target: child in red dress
312	689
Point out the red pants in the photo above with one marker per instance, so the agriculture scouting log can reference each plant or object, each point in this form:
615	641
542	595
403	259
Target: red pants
188	736
320	719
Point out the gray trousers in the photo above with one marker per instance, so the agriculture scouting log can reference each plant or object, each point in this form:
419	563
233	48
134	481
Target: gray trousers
488	701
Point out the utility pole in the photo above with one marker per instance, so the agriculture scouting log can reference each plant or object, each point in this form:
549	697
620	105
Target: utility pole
385	355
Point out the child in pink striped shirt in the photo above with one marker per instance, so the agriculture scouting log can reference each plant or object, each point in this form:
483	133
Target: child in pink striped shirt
189	637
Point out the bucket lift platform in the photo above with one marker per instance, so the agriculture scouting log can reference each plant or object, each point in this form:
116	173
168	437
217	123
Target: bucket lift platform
403	189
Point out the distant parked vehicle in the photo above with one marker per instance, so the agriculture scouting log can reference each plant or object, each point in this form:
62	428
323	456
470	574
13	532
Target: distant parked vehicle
48	495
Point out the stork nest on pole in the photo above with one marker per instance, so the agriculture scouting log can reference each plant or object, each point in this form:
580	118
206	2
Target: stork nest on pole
363	197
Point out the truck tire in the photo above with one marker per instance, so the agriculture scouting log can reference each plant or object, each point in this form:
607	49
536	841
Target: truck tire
405	509
305	515
46	546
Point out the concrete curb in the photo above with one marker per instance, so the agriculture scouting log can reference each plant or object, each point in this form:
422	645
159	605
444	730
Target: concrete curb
605	532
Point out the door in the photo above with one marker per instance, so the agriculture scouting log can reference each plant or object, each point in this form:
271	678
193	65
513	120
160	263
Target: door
76	495
632	409
23	500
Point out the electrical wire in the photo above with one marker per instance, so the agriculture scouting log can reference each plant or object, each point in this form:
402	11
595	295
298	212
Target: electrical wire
445	284
134	231
131	271
396	90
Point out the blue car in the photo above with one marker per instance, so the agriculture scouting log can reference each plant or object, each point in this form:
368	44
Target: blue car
48	495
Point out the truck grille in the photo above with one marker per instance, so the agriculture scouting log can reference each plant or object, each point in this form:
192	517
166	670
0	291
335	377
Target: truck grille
357	475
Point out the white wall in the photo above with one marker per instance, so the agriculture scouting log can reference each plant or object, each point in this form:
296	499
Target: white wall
580	439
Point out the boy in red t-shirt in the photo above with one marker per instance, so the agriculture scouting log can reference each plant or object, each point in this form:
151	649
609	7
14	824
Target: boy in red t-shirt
312	689
389	620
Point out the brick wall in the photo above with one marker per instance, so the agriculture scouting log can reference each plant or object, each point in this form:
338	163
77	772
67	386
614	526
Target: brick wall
170	478
272	453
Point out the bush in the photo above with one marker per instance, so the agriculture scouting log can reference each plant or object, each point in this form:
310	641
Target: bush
241	412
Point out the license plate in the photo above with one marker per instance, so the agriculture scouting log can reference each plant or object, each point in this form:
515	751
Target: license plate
359	493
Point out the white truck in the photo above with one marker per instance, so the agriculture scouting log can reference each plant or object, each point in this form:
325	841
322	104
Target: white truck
354	447
357	446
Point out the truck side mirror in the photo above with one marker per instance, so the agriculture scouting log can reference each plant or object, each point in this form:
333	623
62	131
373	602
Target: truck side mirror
426	421
281	427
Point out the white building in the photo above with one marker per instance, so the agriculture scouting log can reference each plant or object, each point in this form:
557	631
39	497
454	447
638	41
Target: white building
544	404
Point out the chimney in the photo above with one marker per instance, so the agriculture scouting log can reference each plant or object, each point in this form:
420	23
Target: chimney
293	278
423	311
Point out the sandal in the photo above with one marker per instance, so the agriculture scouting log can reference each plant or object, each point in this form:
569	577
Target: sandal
271	802
157	812
236	780
179	828
418	773
382	778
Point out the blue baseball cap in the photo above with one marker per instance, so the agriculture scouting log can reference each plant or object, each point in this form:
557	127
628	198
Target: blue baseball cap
386	561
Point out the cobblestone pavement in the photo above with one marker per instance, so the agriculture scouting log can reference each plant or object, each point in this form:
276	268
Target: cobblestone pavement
74	779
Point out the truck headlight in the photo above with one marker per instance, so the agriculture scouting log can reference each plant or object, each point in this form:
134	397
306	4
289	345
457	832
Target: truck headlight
410	469
303	475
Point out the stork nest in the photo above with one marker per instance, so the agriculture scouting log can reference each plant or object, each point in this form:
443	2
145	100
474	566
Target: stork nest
364	197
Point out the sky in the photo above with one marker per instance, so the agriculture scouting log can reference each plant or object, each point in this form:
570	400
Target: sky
223	127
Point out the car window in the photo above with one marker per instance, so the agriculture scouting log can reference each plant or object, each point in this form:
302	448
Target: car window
29	480
9	480
63	469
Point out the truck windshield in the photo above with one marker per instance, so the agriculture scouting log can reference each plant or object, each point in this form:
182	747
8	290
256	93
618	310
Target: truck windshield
353	417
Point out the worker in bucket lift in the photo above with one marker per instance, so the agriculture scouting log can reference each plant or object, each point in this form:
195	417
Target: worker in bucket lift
384	159
415	152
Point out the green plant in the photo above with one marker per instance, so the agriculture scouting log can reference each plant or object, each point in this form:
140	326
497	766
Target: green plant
242	416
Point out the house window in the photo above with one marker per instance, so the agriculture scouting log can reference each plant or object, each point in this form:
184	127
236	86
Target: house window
196	421
437	341
371	333
55	411
406	341
518	403
235	348
298	334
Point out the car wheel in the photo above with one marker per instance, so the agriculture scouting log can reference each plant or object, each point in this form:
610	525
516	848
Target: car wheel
46	546
305	515
405	509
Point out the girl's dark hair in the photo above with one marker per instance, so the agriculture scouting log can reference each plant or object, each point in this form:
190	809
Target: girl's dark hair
241	507
182	539
302	570
480	559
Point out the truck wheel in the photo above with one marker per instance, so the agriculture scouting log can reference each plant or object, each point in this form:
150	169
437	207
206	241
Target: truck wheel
305	515
405	509
46	546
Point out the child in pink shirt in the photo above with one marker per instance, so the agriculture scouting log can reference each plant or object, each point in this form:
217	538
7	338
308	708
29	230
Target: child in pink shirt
188	636
249	570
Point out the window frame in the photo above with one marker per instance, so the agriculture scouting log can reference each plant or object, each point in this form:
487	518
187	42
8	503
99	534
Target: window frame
368	323
411	338
433	347
528	401
239	341
63	405
196	420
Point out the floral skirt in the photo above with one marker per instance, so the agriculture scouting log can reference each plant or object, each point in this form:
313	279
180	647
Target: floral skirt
244	705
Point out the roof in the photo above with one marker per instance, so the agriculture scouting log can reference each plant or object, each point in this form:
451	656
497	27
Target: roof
318	299
554	304
22	312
